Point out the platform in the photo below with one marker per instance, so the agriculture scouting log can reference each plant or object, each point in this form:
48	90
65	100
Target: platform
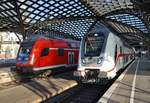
6	75
36	91
7	62
133	86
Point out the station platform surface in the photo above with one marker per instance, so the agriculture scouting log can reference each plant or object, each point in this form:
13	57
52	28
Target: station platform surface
7	62
132	86
36	91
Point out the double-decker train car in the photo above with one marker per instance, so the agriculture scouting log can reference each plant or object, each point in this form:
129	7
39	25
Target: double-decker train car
102	54
40	53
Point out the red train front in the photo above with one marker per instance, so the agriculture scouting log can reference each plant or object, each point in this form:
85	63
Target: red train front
43	54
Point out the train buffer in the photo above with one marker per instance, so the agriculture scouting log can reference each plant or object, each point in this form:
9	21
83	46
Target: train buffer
35	91
132	86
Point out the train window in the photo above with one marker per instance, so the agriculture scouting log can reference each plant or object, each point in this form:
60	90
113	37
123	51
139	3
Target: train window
93	44
45	52
120	50
24	51
60	52
115	53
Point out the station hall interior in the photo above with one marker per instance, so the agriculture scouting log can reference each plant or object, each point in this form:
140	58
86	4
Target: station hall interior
57	46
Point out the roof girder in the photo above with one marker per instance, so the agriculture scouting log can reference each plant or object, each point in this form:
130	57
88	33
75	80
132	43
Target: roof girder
121	23
96	14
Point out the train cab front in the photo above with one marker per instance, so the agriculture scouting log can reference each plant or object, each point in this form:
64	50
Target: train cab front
25	58
91	57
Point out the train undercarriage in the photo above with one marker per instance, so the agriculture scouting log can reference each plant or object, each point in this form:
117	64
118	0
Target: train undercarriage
92	76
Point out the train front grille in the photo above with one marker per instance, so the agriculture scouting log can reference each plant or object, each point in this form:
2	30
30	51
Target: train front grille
92	73
95	73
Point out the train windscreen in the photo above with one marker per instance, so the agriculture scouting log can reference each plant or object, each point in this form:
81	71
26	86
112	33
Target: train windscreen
93	44
25	51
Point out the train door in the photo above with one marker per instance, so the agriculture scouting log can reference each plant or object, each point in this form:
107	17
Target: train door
121	60
71	58
115	55
44	58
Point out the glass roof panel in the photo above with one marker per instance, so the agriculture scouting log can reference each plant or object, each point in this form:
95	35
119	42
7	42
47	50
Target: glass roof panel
106	6
53	9
78	28
33	11
131	20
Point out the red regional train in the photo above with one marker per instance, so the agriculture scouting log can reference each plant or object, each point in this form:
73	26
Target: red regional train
40	54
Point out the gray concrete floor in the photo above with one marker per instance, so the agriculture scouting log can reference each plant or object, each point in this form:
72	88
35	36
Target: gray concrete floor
141	91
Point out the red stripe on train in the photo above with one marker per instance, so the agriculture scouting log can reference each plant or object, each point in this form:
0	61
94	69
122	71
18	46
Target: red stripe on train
118	57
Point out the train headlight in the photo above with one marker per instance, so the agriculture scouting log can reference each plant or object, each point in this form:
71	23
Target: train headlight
99	60
19	58
26	58
83	61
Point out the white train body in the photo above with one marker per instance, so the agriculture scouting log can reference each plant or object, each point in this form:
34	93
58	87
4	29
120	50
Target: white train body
102	54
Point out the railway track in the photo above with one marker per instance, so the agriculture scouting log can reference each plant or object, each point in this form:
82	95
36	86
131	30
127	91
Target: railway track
82	93
86	94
